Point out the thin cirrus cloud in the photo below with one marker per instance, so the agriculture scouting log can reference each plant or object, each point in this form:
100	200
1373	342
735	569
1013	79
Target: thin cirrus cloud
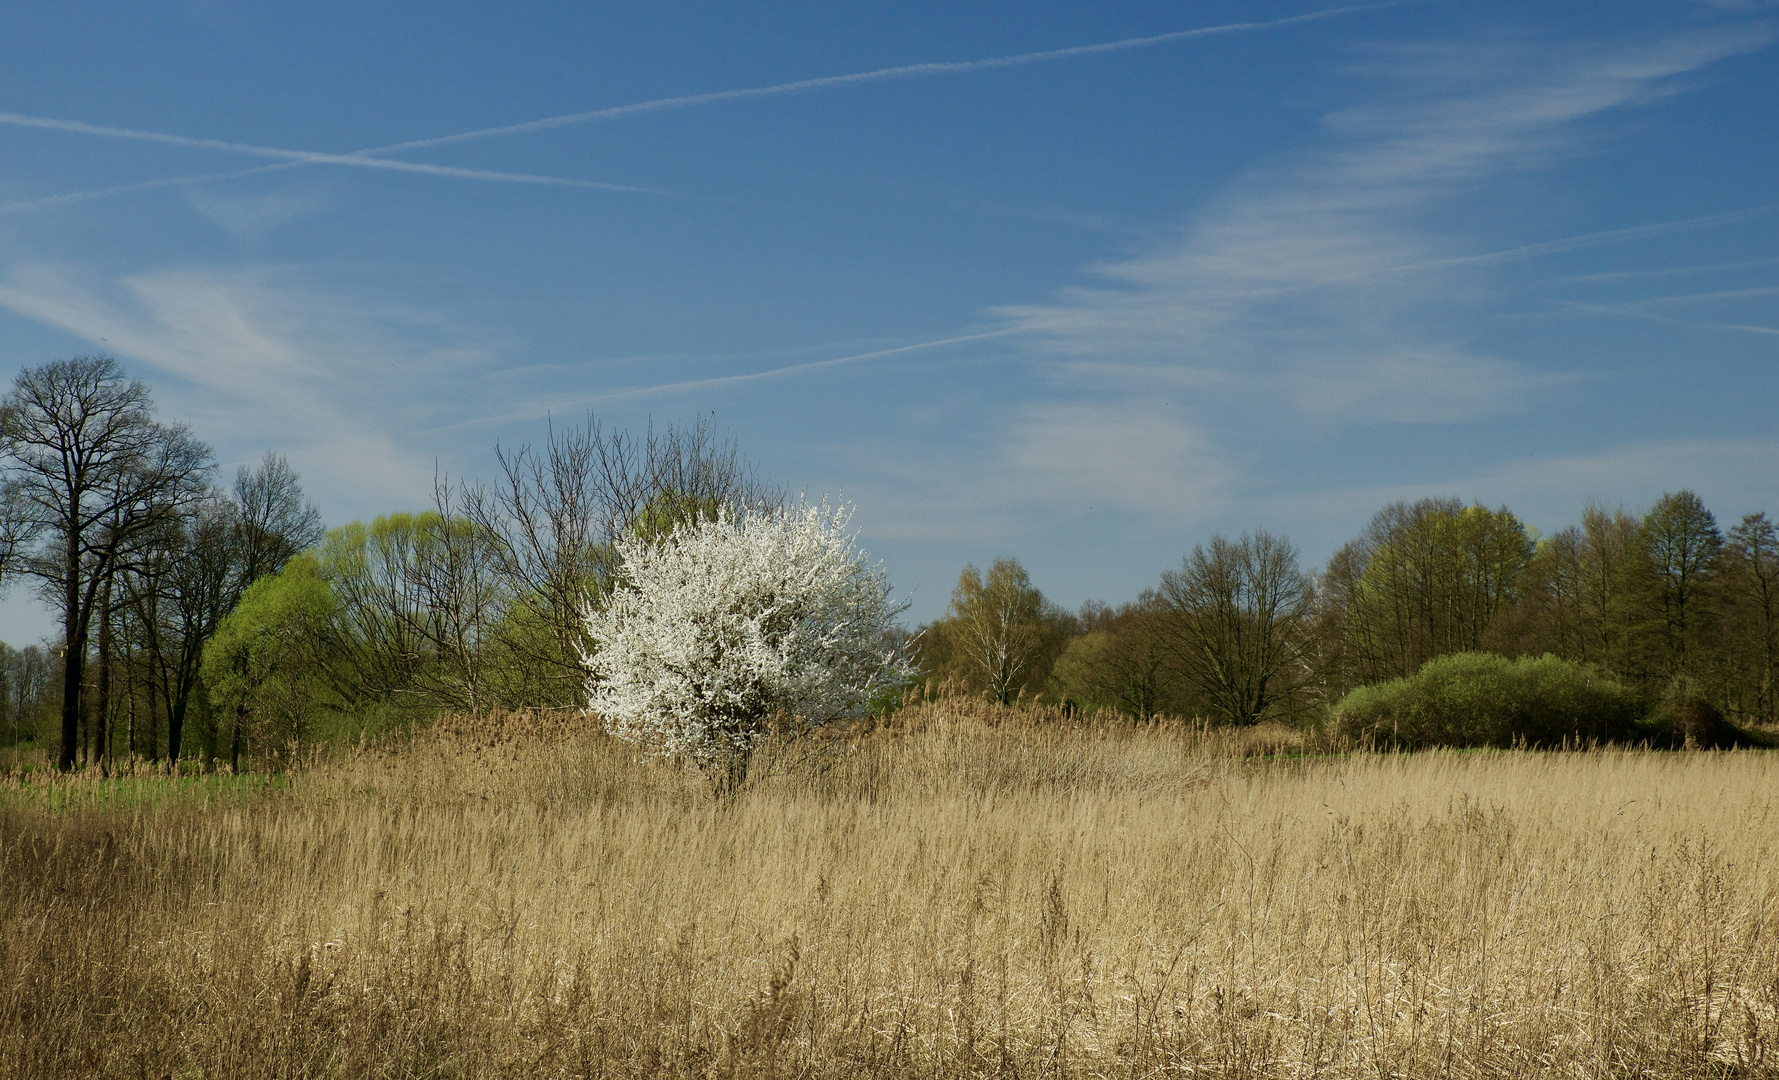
1315	282
259	357
1548	491
1049	461
254	215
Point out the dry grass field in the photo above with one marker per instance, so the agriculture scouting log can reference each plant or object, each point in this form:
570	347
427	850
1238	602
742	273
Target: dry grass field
972	892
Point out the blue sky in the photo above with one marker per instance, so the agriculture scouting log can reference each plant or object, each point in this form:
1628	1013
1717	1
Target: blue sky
1253	264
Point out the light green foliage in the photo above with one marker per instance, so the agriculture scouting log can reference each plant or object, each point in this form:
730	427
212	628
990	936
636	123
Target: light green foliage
1120	663
999	637
1476	699
265	665
1425	579
420	604
374	571
1574	596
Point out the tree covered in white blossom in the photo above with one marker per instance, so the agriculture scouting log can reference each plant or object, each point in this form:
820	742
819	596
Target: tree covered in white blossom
729	624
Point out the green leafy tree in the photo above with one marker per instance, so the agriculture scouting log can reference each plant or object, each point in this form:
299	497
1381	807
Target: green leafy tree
1575	595
1750	596
1121	662
267	663
1425	579
421	602
999	636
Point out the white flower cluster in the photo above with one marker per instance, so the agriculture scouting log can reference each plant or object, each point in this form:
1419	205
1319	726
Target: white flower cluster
725	624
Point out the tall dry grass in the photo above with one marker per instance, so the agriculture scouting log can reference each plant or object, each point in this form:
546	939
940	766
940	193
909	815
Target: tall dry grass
971	892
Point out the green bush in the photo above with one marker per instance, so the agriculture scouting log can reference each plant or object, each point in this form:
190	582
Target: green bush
1475	699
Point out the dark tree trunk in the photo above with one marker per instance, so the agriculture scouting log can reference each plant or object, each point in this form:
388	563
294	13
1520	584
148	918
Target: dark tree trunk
235	739
73	653
175	732
154	722
102	704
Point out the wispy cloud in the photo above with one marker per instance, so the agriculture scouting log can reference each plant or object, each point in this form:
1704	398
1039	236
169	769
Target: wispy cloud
46	202
1039	465
1633	311
252	215
1293	285
1734	475
256	358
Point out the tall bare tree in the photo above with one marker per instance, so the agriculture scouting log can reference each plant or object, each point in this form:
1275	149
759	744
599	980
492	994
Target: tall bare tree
95	473
1238	612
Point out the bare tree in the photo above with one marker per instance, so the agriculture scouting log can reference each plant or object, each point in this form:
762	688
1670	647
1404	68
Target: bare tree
557	511
194	569
95	472
273	521
1237	618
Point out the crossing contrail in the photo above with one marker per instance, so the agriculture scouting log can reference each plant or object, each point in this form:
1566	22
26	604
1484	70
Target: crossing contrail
372	157
305	157
889	74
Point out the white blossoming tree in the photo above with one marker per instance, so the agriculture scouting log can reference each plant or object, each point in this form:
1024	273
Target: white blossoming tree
725	625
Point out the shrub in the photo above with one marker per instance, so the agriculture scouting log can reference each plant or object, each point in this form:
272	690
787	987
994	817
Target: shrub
1685	719
1477	699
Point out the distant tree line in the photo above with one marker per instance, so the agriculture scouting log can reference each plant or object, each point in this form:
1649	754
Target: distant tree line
228	624
1666	602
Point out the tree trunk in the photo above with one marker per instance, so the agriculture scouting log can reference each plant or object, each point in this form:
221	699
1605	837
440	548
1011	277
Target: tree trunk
154	722
102	704
175	732
73	653
235	739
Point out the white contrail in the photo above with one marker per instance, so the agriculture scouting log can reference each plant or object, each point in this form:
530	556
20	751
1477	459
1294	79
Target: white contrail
906	71
798	369
309	157
126	189
367	157
1634	313
747	377
1723	294
1609	236
1662	271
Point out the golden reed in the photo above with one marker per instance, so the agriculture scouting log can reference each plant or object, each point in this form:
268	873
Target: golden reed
969	891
